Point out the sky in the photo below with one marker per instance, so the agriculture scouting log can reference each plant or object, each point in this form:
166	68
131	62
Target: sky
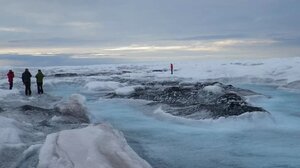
76	32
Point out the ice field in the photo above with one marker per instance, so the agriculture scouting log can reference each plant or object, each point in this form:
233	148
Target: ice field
133	133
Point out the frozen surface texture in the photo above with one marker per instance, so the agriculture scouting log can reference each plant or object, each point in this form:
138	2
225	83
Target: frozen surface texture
203	114
97	146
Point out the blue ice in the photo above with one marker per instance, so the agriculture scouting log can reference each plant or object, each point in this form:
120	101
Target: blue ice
268	142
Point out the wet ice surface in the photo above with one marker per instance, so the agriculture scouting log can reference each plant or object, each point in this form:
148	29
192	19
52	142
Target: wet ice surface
251	140
248	141
34	133
25	122
165	141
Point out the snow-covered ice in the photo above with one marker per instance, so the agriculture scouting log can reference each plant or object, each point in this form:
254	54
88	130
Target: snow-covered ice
164	141
126	90
97	146
97	85
74	107
9	132
213	89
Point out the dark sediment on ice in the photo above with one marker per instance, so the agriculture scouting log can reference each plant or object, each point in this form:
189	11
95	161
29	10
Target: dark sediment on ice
195	100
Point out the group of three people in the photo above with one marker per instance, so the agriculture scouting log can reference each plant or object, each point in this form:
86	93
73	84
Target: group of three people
26	79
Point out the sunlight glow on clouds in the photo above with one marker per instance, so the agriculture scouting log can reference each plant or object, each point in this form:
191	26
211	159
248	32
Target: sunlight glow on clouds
228	43
197	46
35	51
82	24
14	29
170	46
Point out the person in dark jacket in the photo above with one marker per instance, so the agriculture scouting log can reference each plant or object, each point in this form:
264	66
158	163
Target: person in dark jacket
39	81
27	81
10	76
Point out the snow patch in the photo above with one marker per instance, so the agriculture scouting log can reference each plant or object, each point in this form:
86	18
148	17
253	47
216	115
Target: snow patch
4	93
102	85
127	90
9	133
94	147
56	118
215	89
75	106
31	149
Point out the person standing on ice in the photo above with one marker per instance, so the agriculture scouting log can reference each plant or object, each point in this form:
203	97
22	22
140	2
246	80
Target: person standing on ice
10	76
27	81
171	66
39	81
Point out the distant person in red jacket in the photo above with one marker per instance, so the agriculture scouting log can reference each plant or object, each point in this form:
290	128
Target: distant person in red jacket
10	76
171	66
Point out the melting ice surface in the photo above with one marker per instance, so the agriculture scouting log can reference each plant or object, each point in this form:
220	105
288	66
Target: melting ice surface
251	140
247	141
236	143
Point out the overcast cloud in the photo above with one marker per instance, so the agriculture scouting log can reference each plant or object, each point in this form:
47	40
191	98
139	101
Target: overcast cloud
140	29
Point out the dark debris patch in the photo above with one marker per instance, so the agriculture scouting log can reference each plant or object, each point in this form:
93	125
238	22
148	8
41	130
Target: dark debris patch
192	100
